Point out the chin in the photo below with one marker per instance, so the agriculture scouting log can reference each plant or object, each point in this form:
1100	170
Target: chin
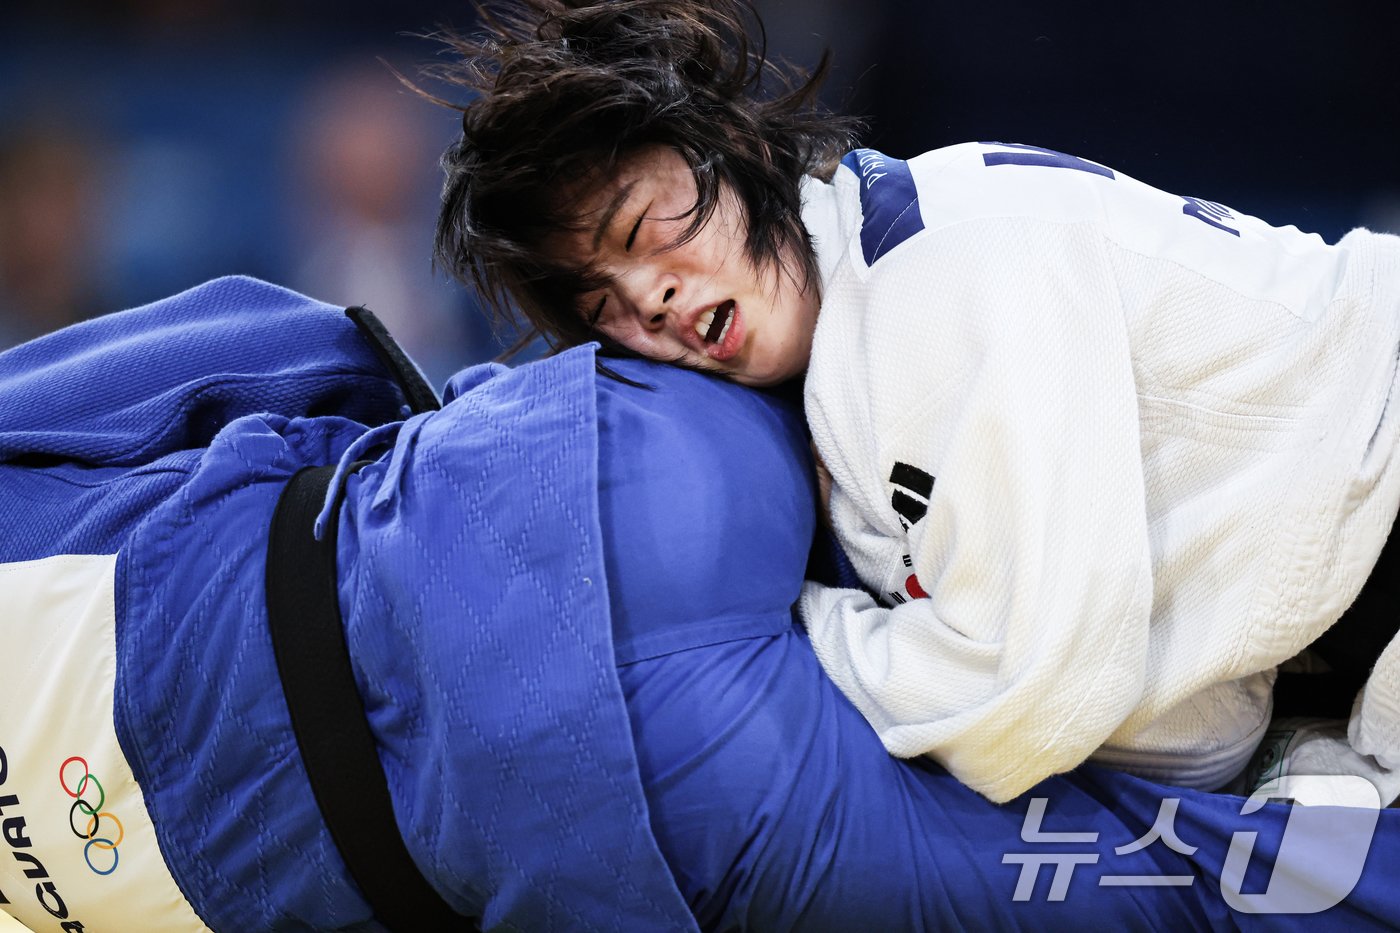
762	380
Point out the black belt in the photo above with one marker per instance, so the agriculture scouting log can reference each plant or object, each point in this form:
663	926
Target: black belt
328	714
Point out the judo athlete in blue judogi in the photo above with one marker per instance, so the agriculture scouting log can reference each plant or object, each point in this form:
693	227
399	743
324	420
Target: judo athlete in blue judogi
565	603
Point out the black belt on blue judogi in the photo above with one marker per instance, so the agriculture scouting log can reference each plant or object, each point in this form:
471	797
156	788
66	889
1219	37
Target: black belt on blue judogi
327	712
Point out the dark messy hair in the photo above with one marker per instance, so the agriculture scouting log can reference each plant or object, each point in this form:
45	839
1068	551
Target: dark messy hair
567	89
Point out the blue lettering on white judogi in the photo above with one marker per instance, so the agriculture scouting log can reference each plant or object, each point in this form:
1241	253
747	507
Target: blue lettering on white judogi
889	202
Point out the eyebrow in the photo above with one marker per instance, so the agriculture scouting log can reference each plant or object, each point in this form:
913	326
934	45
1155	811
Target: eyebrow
610	211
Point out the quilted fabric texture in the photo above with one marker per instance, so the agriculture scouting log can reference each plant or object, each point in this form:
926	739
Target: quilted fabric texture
127	388
476	611
476	602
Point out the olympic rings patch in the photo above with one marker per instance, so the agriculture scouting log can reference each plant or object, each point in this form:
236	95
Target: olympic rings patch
96	817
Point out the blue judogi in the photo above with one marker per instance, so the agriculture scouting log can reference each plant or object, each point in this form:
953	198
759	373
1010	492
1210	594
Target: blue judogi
568	603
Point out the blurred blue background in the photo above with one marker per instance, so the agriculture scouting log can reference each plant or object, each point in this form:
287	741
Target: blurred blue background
148	145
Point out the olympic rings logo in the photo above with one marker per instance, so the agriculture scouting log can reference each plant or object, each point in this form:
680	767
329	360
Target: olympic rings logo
94	814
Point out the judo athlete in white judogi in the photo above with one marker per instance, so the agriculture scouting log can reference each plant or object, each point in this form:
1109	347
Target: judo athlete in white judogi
1102	456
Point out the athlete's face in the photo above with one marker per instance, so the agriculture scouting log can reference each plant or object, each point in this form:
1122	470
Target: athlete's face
701	303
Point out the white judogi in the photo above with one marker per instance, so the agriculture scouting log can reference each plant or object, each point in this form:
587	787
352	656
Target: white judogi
1136	448
78	849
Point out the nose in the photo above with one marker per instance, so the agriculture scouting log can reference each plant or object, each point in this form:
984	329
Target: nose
654	297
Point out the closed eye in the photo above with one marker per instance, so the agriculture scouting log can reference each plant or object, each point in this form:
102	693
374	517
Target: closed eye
632	236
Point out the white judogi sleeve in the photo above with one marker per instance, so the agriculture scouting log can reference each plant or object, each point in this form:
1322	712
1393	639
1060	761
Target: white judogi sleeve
1029	649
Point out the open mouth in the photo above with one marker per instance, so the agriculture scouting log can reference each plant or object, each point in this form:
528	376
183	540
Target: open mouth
713	325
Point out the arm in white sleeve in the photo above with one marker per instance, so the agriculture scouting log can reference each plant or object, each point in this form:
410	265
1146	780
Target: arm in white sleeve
1030	647
926	689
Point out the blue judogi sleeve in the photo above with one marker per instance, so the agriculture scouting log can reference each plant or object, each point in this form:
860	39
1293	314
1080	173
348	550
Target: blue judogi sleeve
101	421
127	388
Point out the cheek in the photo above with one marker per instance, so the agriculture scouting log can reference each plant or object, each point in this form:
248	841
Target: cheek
613	332
629	336
720	245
